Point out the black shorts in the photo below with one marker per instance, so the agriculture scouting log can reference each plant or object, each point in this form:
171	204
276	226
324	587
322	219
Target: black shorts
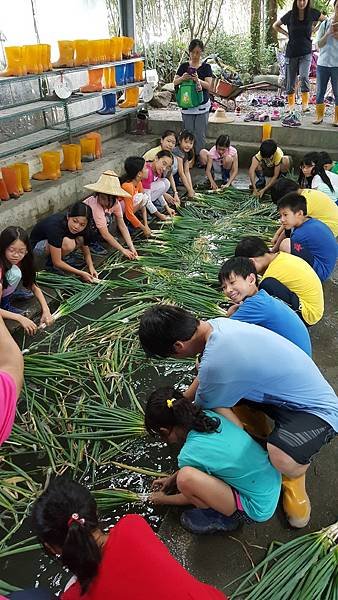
304	253
299	434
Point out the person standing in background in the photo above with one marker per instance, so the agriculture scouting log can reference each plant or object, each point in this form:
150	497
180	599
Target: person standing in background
327	65
299	22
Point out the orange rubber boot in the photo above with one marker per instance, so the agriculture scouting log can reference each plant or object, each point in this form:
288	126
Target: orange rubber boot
4	195
66	50
95	81
69	157
81	53
335	117
25	180
127	46
132	97
138	70
14	60
88	149
10	178
320	110
78	157
296	502
18	178
50	166
291	101
305	102
94	135
109	77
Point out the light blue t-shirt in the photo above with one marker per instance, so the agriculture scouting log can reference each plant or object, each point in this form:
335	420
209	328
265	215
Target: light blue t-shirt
272	313
232	455
241	360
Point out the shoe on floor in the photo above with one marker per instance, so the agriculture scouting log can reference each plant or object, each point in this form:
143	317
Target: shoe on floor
22	294
98	249
207	520
291	121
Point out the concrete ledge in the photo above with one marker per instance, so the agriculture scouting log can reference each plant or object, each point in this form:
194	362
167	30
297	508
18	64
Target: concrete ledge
295	141
52	196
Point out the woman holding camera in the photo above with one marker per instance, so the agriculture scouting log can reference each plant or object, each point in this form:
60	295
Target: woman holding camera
196	119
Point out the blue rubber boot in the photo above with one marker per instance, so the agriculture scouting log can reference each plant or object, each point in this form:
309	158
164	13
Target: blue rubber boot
208	520
109	104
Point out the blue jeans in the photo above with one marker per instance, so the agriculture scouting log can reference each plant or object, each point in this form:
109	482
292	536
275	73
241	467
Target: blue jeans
324	74
298	65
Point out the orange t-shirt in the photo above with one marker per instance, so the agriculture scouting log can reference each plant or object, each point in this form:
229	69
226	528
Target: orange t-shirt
132	189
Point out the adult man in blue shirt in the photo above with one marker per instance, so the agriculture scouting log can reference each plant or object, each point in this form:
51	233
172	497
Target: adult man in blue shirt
238	279
245	361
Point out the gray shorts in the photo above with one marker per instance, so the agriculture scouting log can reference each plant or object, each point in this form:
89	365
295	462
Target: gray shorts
41	248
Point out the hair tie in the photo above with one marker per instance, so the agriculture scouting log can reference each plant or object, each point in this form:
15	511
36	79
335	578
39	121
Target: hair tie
75	519
170	402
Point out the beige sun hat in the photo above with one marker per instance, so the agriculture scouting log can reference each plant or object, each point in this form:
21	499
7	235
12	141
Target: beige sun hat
108	183
220	116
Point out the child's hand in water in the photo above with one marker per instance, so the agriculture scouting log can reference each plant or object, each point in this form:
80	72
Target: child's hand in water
28	325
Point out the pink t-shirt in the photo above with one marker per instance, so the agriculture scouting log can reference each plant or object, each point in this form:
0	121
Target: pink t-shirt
7	405
99	212
151	177
231	151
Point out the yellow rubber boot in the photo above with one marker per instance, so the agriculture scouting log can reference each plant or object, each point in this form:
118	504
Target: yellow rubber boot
127	46
78	157
320	109
25	180
95	81
255	422
81	53
138	70
132	97
305	102
18	178
69	157
66	51
88	149
50	166
291	101
335	117
14	62
94	135
296	502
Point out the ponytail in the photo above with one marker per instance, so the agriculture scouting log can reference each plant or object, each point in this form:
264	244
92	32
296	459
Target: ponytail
319	170
167	407
81	554
65	517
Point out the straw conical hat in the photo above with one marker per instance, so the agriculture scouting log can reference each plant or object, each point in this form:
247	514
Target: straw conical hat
108	183
220	116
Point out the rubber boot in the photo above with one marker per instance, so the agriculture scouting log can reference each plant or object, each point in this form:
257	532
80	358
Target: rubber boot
296	502
305	102
95	81
127	46
31	58
50	166
4	195
69	157
320	109
18	178
46	62
88	147
109	104
109	78
39	48
81	53
132	96
10	178
14	60
138	70
94	135
255	422
78	157
25	180
335	117
291	101
66	50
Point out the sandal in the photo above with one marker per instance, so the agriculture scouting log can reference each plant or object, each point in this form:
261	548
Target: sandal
263	117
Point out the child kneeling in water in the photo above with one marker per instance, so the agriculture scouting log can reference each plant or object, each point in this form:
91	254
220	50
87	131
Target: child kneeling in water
128	563
222	470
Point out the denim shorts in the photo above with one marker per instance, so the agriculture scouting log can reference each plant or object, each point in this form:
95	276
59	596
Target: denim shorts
40	249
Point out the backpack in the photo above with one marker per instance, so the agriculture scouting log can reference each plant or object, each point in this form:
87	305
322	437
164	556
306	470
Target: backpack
187	96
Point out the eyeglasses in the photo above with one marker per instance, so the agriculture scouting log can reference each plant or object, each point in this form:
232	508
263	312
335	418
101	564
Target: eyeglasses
15	252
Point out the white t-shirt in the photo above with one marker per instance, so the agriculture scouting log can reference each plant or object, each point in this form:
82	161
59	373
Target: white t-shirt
319	184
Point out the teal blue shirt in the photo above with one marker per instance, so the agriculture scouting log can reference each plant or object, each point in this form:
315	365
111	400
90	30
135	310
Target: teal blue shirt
232	455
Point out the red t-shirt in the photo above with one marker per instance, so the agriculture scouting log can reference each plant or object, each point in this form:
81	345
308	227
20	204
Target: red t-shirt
136	565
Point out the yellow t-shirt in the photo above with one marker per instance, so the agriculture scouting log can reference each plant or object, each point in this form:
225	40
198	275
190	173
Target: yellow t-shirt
321	207
300	278
150	154
273	161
